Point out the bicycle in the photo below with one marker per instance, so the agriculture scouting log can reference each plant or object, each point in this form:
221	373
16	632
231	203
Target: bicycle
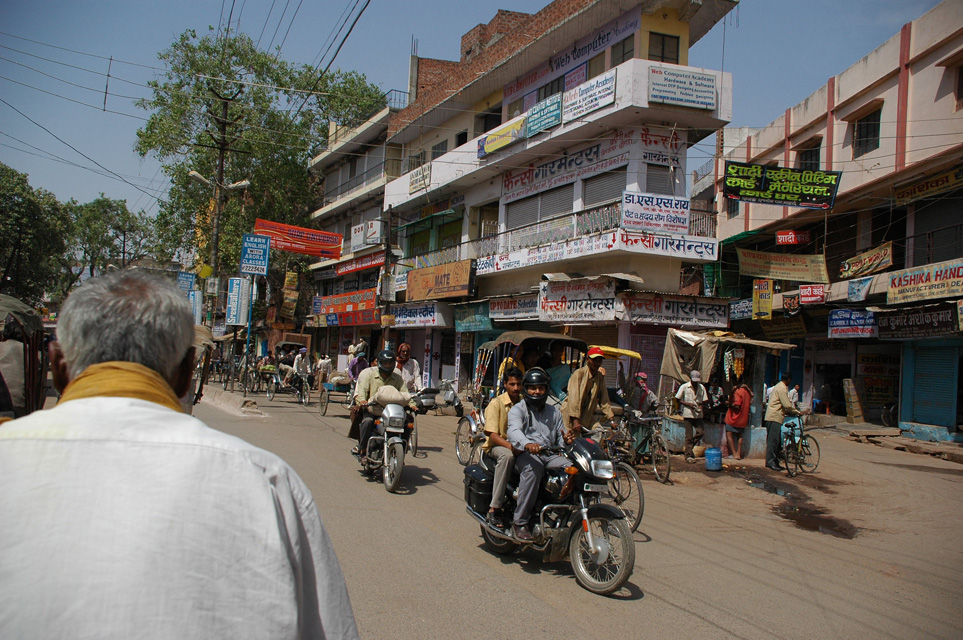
800	451
890	414
298	387
625	488
651	446
471	429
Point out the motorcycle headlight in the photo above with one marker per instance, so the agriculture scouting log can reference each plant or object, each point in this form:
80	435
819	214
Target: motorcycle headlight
603	469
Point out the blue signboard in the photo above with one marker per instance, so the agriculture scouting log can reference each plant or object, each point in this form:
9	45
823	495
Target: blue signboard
852	323
332	319
254	254
473	317
316	304
185	281
740	309
238	301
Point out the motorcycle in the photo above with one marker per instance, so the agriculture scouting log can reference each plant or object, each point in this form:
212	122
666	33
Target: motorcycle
390	438
450	397
568	520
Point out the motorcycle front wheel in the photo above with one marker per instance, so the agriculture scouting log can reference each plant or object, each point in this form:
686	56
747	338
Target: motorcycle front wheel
497	545
391	472
607	567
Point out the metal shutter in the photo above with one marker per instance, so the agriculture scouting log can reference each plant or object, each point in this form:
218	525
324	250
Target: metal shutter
604	335
556	202
934	386
658	179
521	213
603	188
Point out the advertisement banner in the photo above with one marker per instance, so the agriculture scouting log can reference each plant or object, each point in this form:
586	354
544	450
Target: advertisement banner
544	115
952	179
784	328
501	137
359	318
357	238
473	317
592	301
369	261
762	299
255	251
419	178
790	304
783	266
517	308
311	242
345	302
682	311
792	237
682	87
926	321
589	96
866	263
238	301
740	309
852	323
858	289
654	212
290	301
780	185
425	314
197	305
938	280
812	294
451	280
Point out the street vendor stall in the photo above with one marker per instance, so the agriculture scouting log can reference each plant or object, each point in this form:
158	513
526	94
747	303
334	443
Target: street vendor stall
722	357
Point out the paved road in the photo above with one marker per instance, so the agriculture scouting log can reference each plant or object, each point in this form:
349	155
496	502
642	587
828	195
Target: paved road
713	559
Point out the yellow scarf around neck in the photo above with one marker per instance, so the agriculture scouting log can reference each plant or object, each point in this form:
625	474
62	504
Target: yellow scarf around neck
122	380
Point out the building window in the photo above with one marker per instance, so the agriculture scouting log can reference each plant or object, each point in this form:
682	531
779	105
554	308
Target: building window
959	88
596	66
866	134
624	50
808	159
439	149
461	138
664	48
732	207
555	86
488	120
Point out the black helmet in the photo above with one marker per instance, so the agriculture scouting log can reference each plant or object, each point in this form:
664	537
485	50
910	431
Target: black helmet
386	361
535	376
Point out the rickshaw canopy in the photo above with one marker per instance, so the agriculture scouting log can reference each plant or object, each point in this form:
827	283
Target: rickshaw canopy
615	352
24	314
518	337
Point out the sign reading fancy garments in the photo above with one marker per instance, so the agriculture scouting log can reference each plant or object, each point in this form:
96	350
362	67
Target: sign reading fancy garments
645	308
780	185
452	280
939	280
581	301
783	266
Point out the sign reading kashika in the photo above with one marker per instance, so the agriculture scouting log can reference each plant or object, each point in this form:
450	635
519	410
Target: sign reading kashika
781	185
451	280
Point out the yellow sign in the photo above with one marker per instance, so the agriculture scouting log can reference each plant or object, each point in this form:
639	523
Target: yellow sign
451	280
501	137
762	299
866	263
952	179
387	321
783	266
931	281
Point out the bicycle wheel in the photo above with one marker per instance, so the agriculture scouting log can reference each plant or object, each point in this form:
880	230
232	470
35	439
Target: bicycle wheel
413	440
477	450
323	401
463	440
891	415
348	395
808	454
272	387
790	455
661	462
304	394
625	493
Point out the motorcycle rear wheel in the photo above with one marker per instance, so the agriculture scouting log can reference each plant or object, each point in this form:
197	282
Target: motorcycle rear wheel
463	441
391	472
603	574
497	545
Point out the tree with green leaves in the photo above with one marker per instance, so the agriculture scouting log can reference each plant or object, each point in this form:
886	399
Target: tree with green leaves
231	112
33	227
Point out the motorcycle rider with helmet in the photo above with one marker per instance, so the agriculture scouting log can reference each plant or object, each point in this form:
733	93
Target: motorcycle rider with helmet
532	425
369	381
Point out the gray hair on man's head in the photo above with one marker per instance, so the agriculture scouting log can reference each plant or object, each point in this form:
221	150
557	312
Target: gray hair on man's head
130	316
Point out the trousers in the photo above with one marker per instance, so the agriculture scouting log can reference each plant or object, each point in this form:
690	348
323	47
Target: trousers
693	432
531	469
773	438
504	458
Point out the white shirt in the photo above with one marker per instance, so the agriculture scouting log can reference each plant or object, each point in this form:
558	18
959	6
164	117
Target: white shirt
411	374
301	364
687	392
120	518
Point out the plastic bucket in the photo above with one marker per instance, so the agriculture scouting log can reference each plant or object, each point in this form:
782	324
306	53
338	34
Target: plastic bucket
713	459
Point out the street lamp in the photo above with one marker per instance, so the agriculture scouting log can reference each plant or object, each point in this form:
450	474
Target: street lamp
215	227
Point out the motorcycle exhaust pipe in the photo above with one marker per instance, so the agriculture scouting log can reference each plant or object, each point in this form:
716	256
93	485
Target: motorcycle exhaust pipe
497	533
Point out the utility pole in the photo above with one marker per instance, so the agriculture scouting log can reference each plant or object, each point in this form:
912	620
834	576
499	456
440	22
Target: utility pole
223	146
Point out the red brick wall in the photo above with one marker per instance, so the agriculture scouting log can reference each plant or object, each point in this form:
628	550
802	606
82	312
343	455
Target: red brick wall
522	30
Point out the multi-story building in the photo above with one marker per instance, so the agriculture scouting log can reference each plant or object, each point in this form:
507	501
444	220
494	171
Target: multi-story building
509	213
888	315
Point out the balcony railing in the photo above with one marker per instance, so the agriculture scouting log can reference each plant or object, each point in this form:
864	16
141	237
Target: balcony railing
394	99
389	169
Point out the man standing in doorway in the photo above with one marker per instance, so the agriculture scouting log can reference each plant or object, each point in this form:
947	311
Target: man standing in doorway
778	407
691	397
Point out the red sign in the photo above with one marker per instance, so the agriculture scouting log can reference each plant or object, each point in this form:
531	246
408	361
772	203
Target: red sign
792	237
355	318
360	264
812	294
311	242
347	302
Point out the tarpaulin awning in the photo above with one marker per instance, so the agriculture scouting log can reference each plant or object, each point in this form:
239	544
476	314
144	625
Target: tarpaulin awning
25	314
688	350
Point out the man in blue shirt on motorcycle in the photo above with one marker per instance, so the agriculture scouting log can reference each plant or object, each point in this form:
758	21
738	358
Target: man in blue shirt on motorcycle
532	425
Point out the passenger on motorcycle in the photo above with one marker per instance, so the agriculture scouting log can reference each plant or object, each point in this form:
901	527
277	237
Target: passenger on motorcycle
497	444
369	381
533	424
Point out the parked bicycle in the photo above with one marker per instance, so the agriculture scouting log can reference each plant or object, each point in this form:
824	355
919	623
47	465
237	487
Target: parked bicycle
625	488
648	447
890	414
800	451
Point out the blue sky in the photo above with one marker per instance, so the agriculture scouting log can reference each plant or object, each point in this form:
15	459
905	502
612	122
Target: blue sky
779	51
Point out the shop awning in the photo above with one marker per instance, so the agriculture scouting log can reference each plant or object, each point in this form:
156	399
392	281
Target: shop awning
741	236
687	350
448	215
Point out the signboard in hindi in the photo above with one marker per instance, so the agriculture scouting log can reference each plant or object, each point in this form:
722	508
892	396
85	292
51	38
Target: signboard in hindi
852	323
926	321
679	311
425	314
952	179
858	289
780	185
501	137
784	328
931	281
451	280
866	263
812	294
762	299
185	281
682	87
661	146
344	302
792	237
654	212
783	266
578	301
589	96
311	242
544	115
740	309
473	317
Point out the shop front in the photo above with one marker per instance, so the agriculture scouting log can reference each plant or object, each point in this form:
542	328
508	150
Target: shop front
430	330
